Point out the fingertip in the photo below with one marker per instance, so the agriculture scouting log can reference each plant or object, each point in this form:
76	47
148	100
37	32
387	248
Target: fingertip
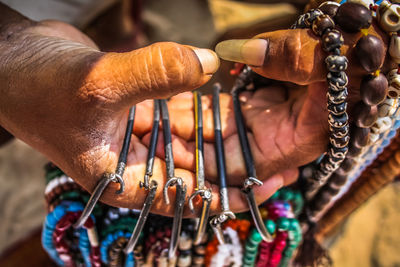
248	51
209	60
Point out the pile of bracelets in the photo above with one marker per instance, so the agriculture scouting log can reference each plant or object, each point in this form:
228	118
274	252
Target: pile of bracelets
103	237
80	231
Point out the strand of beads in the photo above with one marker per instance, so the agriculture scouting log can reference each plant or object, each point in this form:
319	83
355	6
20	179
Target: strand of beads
373	90
332	40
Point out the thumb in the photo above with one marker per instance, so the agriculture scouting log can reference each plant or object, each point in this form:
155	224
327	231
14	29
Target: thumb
288	55
156	71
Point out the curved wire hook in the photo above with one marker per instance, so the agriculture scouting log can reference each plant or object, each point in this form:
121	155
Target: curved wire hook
248	184
110	177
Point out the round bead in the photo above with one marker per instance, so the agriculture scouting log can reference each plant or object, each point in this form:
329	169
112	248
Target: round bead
337	109
255	235
321	24
311	15
353	17
337	152
339	132
338	120
364	115
336	63
332	40
339	142
283	223
373	89
271	226
359	136
329	8
388	16
370	51
337	80
394	84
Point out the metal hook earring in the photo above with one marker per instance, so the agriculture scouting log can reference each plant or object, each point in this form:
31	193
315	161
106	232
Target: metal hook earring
110	177
150	186
251	180
172	180
226	213
201	190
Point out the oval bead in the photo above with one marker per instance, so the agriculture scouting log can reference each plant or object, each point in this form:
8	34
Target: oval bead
332	40
336	63
388	16
338	179
321	24
354	151
359	136
373	89
364	115
353	17
370	51
337	80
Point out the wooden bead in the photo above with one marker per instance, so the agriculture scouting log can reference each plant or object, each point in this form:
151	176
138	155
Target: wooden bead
353	17
394	48
354	151
347	164
394	84
329	8
370	51
373	89
338	179
388	16
359	136
332	40
364	115
321	24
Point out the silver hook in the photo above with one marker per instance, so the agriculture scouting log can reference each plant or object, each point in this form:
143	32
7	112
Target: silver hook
144	213
206	196
217	221
255	212
178	215
94	198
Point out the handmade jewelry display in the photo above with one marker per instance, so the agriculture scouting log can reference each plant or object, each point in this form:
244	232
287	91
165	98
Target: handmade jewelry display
80	231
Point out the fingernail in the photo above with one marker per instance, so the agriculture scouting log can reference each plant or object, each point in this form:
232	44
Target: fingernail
247	51
208	59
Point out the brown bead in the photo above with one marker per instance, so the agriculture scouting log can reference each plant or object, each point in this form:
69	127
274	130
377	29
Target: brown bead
359	136
332	40
353	151
338	179
373	89
370	52
364	115
329	9
353	17
347	164
321	24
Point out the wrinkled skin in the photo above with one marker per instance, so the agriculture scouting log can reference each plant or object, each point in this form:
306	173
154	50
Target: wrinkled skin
70	102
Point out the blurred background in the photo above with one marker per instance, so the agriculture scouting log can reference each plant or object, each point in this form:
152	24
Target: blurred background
369	237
